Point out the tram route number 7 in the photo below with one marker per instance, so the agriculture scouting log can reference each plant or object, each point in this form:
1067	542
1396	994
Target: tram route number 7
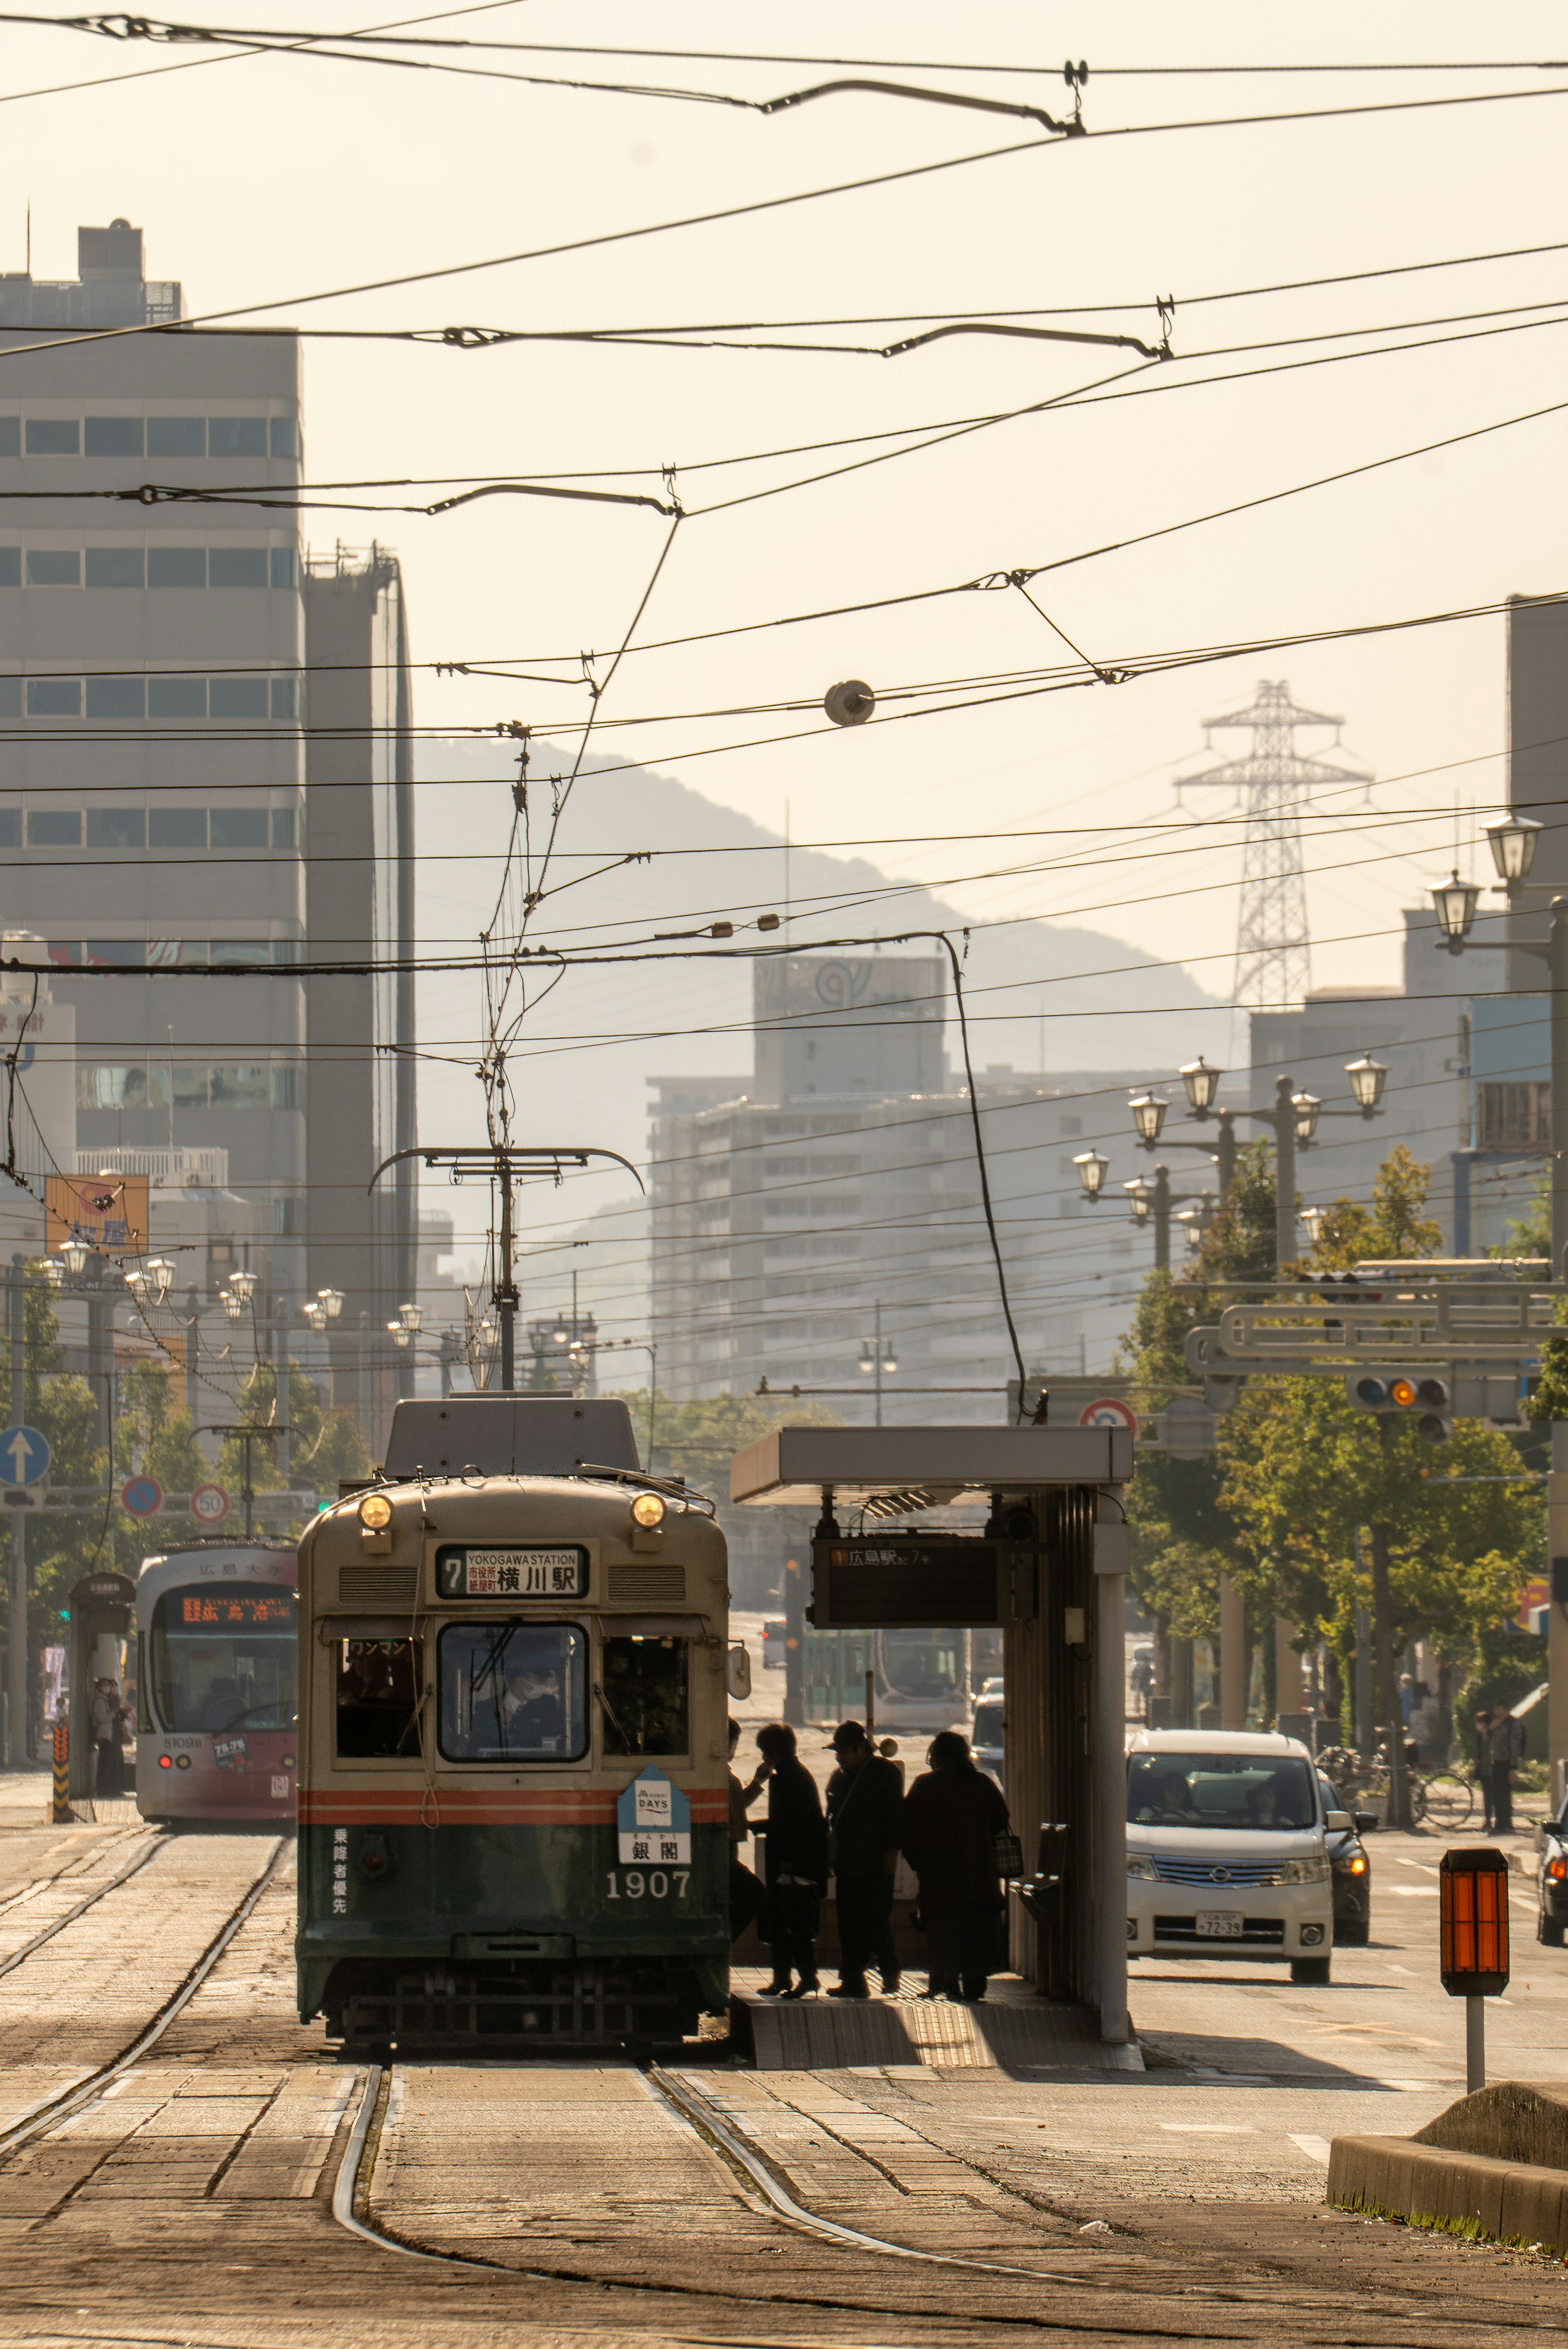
653	1884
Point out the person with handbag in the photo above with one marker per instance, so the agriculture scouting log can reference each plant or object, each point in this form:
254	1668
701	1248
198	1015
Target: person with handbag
865	1815
797	1864
952	1819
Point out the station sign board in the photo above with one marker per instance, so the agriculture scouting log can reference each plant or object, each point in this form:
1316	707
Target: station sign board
517	1570
885	1582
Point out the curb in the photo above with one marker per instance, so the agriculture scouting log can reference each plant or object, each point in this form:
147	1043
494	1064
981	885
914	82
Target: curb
1465	2193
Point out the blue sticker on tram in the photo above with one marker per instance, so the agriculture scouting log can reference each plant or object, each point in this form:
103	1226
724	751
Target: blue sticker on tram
653	1820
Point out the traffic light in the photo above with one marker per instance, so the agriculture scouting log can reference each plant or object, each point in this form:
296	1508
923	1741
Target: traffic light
1421	1395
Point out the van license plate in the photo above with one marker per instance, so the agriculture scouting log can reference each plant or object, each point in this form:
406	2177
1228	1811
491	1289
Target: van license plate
1220	1924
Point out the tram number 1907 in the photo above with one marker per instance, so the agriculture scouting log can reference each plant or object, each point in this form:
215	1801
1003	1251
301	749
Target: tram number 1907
643	1883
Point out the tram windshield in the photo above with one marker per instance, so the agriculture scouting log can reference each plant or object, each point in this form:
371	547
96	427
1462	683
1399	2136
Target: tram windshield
645	1696
514	1692
926	1665
225	1658
377	1694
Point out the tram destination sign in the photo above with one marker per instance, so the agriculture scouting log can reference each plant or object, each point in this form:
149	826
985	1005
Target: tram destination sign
868	1582
520	1570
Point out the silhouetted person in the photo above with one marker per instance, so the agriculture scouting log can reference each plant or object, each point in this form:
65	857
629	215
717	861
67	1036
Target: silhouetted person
952	1819
796	1863
865	1815
747	1896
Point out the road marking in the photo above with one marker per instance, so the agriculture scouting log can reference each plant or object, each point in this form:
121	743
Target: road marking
1209	2129
1402	1969
1316	2146
1413	1891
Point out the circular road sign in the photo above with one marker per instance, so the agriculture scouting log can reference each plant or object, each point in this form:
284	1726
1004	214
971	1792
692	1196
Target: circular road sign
141	1496
24	1455
1108	1411
210	1505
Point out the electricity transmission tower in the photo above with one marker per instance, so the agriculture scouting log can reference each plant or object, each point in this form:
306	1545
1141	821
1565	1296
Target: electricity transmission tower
1274	950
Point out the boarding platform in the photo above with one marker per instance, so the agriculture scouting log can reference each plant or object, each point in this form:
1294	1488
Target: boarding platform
1013	2030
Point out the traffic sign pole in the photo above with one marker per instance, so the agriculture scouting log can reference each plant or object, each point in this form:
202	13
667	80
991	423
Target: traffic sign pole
16	1660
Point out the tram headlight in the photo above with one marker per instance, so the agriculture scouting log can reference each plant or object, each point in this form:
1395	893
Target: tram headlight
648	1511
375	1512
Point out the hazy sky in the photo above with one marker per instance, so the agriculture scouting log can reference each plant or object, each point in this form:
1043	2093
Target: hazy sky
266	178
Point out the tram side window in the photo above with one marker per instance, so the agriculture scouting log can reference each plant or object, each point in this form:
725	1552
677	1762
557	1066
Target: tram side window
513	1692
646	1696
378	1686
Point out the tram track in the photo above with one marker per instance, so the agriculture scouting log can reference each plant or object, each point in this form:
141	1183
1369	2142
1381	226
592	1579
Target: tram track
1413	2318
100	1892
62	2103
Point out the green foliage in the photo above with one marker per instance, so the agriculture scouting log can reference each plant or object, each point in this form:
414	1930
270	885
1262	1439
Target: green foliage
696	1439
1394	1225
339	1455
1507	1665
1532	1235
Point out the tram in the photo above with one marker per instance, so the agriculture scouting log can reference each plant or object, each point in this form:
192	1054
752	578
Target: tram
513	1799
216	1735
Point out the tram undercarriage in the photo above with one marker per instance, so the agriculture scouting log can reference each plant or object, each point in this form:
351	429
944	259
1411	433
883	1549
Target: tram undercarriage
373	2004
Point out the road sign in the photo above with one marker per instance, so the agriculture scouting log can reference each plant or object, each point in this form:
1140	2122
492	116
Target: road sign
142	1497
210	1505
24	1455
1108	1410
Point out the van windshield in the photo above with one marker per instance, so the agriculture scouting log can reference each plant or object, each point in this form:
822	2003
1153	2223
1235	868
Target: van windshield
1220	1790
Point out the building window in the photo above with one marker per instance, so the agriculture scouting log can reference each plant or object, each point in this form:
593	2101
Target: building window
190	1087
111	436
285	1085
177	697
116	828
117	697
283	828
175	827
54	696
54	436
286	697
54	566
176	566
10	566
284	562
240	1088
283	435
115	1086
10	435
236	436
10	827
112	953
243	698
115	566
236	566
54	828
1513	1116
177	436
237	827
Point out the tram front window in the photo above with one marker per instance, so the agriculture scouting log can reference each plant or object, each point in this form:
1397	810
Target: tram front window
378	1699
514	1692
927	1665
223	1660
646	1697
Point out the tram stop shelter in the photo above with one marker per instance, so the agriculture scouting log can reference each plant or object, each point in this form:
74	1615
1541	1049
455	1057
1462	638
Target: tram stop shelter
1047	1563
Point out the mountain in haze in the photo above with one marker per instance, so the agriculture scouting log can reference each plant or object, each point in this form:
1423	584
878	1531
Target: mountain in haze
1040	994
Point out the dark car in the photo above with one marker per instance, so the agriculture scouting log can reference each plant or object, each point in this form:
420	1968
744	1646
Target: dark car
1352	1872
773	1639
1552	1919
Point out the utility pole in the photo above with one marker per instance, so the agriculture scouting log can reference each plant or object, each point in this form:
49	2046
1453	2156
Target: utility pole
502	1161
16	1675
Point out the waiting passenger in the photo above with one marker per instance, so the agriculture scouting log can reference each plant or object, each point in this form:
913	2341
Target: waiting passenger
952	1819
796	1863
747	1896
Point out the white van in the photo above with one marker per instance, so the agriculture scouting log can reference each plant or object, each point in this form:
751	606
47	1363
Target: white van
1225	1849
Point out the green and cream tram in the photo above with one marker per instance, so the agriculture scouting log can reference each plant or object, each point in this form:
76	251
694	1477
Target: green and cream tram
513	1701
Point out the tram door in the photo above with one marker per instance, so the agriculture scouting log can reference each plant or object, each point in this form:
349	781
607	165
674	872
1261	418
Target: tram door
103	1612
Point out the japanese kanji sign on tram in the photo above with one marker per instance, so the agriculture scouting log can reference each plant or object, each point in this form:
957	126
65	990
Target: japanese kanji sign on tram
653	1821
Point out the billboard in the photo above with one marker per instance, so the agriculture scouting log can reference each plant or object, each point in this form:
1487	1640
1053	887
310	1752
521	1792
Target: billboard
108	1211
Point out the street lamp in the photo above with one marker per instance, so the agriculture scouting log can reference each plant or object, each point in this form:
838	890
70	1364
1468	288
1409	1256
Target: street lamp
411	1316
1148	1116
330	1300
1313	1218
1203	1084
234	1305
1092	1170
1455	904
74	1255
1138	1198
1308	1110
876	1358
54	1271
1367	1078
400	1336
244	1285
314	1313
159	1277
1513	840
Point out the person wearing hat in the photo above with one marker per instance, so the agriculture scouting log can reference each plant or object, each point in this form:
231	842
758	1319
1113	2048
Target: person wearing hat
797	1864
865	1817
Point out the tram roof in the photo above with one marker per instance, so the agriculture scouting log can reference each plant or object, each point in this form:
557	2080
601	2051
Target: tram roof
788	1467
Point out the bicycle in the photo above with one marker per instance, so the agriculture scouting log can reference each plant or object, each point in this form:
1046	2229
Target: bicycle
1446	1799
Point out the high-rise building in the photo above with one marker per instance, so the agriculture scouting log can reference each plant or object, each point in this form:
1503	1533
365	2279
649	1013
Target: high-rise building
154	657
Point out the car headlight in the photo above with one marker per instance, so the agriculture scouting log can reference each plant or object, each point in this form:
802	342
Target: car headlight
1137	1865
1304	1871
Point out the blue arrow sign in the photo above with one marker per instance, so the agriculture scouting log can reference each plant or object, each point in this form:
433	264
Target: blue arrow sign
25	1456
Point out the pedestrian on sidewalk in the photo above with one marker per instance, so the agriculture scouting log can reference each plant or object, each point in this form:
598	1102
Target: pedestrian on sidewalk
952	1819
796	1863
865	1817
748	1897
1482	1732
111	1734
1505	1749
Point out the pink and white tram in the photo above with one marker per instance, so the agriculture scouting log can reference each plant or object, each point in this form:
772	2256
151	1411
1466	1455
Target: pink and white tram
217	1734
